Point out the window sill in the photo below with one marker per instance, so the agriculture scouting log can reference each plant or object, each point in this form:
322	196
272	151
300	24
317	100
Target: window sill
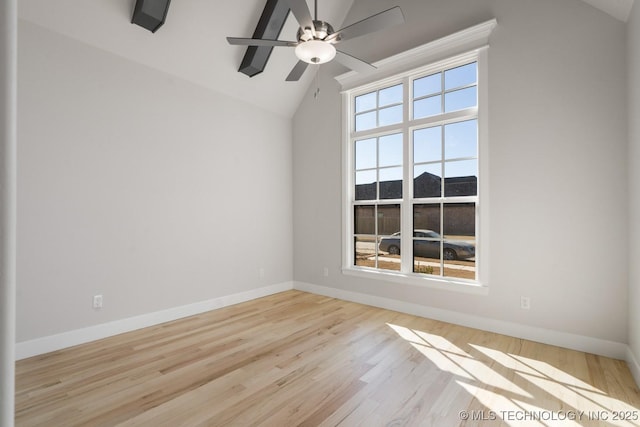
426	282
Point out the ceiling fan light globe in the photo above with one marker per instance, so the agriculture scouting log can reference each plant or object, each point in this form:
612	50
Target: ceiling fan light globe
315	52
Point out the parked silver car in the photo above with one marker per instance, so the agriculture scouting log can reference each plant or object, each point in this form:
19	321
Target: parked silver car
452	249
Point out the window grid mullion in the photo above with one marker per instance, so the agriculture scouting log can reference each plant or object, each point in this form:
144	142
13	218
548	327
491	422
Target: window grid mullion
375	230
443	186
378	108
377	200
467	86
377	169
442	110
406	224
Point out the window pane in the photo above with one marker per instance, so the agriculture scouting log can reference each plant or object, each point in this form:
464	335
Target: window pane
390	147
390	95
366	185
390	115
364	219
364	248
425	265
427	85
427	107
365	177
460	221
387	261
365	102
388	219
426	218
366	154
391	183
426	253
463	269
365	121
389	252
390	245
427	180
461	139
427	240
460	99
461	178
427	144
459	246
460	76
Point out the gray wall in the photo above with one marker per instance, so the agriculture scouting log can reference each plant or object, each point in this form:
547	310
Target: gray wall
558	180
139	186
8	103
634	178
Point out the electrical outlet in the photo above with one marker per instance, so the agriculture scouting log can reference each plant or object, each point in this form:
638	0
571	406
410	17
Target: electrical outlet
97	301
525	303
325	271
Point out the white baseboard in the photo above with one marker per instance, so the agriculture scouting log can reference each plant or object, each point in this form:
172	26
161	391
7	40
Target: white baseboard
80	336
586	344
634	367
562	339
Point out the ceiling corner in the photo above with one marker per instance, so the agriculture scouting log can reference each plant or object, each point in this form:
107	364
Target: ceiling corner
619	9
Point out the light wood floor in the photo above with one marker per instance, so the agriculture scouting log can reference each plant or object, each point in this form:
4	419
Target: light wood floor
300	359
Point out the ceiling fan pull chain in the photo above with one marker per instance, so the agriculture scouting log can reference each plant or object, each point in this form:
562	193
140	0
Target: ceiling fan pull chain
316	94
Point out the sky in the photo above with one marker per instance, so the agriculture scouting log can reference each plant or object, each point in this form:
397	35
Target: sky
452	147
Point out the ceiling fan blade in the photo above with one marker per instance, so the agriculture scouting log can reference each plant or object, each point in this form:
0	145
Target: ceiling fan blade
259	42
301	11
354	63
297	71
388	18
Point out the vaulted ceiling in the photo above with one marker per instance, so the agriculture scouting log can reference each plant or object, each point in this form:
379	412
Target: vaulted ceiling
192	45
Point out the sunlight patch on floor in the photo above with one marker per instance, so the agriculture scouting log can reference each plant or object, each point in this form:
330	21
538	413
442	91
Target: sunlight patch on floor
519	390
439	350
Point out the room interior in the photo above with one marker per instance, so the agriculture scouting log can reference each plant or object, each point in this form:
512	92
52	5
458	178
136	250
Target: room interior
154	174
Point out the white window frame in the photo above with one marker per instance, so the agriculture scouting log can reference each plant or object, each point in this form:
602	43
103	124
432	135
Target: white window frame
458	49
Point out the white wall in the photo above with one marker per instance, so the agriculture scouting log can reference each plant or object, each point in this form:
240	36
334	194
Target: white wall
558	146
144	188
633	39
8	171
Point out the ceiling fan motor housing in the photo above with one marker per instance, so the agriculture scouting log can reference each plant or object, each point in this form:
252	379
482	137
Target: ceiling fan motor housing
313	49
322	29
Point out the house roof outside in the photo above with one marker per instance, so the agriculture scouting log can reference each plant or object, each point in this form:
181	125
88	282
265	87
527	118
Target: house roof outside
425	185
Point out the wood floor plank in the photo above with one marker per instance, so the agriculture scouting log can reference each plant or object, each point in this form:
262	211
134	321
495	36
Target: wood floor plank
298	359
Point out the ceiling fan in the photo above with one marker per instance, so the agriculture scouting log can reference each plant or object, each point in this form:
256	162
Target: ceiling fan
316	39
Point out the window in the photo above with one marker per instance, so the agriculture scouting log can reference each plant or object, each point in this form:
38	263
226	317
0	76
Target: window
412	199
